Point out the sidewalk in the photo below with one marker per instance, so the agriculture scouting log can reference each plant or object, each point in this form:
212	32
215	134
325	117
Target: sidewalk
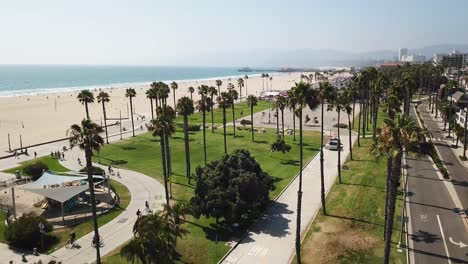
272	239
115	233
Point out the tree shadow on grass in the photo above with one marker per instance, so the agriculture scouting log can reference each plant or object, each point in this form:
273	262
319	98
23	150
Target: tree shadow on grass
261	142
114	162
290	162
184	184
362	185
125	147
354	219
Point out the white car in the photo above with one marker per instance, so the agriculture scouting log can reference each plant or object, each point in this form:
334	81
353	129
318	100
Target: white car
332	144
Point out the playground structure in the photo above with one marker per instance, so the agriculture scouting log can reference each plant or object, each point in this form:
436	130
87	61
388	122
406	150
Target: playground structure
63	199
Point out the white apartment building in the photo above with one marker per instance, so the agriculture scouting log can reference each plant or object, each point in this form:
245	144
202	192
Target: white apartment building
453	59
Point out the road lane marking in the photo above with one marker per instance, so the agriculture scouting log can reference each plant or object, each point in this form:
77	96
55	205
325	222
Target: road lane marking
443	239
460	244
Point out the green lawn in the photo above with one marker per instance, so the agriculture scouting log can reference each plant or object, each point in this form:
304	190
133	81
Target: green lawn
2	227
142	154
241	110
353	230
52	163
85	228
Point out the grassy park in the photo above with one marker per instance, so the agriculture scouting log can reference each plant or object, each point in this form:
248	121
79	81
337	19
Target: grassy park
355	219
142	154
2	226
52	164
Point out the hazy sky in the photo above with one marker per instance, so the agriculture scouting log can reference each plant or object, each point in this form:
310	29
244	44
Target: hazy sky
173	31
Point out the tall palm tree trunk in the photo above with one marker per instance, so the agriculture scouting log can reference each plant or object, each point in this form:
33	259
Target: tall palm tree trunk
212	115
169	163
374	123
89	170
163	158
233	119
294	123
224	129
277	121
339	148
131	115
187	148
87	110
299	195
387	189
354	107
322	172
282	122
394	183
105	121
364	117
152	110
359	125
204	134
349	138
251	122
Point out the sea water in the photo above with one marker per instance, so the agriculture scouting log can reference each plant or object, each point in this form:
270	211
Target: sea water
36	79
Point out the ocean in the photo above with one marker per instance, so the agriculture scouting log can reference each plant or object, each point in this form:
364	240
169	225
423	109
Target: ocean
36	79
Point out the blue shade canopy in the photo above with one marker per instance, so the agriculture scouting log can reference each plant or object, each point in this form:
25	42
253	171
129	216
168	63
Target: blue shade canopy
59	194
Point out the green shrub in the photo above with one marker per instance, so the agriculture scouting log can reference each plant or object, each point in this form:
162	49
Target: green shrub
24	232
95	170
35	170
193	127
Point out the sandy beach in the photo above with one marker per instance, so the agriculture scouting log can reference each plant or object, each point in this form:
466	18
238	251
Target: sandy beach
46	117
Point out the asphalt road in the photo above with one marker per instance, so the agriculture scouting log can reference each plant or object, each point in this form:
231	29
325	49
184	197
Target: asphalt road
435	226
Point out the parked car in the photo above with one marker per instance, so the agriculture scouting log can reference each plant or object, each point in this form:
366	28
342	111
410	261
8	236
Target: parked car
332	144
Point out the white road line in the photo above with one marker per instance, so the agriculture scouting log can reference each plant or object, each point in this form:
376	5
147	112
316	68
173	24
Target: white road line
443	239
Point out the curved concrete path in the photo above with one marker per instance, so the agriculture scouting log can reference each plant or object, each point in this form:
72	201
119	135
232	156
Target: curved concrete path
115	233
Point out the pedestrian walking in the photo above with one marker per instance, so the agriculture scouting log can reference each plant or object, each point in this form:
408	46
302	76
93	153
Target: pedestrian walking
147	205
138	213
35	154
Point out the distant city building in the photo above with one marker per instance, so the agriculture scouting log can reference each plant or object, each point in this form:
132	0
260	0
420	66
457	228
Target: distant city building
418	59
389	66
403	52
454	59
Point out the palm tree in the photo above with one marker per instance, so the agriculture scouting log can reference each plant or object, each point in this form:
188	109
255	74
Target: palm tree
271	82
395	137
163	126
233	96
292	104
87	137
191	91
339	103
86	97
175	215
212	91
251	102
104	98
185	108
281	104
203	105
240	84
224	102
150	94
154	241
304	95
156	92
130	93
218	84
326	92
246	77
174	87
263	81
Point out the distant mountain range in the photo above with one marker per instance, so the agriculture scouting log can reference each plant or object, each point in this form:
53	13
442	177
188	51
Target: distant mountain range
315	57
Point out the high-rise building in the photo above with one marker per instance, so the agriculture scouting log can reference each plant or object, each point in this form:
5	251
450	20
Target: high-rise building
453	59
403	52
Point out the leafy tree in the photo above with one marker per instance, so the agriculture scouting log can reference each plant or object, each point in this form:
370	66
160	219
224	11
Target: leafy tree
87	137
185	108
280	145
394	138
104	98
191	91
35	170
174	87
24	232
224	101
234	187
326	92
86	97
251	102
212	91
303	95
130	93
154	241
232	96
240	84
163	126
203	105
218	84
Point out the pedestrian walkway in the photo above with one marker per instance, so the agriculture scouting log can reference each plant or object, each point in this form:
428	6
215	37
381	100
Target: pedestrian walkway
271	240
115	233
